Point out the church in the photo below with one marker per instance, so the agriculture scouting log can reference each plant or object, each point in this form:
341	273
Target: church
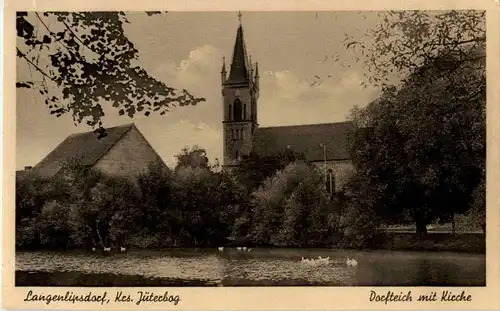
325	145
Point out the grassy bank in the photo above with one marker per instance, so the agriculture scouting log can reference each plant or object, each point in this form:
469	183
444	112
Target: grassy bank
435	241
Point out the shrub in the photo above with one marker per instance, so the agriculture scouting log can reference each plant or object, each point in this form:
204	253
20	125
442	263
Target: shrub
292	209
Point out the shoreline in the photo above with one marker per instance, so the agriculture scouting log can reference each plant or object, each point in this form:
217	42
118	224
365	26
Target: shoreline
81	279
471	243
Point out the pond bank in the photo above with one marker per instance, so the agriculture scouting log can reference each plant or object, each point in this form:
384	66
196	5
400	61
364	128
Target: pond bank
436	241
382	240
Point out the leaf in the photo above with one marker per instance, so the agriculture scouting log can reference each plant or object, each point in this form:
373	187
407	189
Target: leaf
121	112
24	85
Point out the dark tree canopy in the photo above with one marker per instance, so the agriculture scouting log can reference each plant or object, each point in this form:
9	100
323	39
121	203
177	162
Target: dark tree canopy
195	157
403	41
422	146
82	60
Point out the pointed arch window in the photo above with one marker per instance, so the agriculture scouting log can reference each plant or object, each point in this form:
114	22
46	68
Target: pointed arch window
330	181
238	107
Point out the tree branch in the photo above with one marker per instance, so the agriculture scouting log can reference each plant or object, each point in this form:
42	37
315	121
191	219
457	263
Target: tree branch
35	66
79	40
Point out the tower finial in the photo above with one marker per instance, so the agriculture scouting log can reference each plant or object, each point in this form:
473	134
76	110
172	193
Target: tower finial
239	17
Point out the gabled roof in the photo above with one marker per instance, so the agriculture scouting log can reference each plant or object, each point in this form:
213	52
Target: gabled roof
83	146
306	139
239	66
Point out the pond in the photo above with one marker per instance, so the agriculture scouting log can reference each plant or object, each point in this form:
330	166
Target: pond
257	267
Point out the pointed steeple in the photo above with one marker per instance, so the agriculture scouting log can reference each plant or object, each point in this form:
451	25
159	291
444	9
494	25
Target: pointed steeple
239	66
223	72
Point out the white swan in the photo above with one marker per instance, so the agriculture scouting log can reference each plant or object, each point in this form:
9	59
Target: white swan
318	261
122	249
107	249
93	249
244	248
221	249
238	248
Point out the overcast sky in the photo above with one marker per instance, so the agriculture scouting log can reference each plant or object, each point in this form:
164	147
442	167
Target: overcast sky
185	50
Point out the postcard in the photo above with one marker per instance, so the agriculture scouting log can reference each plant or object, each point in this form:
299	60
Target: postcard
251	155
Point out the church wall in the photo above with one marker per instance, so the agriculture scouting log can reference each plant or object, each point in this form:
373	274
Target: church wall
342	170
229	96
128	157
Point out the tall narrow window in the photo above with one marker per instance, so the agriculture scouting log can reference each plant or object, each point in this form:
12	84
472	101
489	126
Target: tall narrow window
237	155
244	111
230	111
237	110
330	181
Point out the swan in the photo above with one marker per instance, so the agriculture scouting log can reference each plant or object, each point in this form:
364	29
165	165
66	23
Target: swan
221	249
318	261
107	249
238	248
351	262
122	249
93	249
249	249
244	248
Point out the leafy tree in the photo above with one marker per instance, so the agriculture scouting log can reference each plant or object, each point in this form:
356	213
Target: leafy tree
292	209
195	157
81	60
403	41
422	146
254	169
155	187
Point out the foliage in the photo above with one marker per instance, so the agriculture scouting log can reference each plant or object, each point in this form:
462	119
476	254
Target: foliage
254	169
358	221
421	147
403	41
292	209
84	59
194	157
191	206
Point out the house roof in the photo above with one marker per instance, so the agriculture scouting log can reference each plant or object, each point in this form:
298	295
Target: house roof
306	139
83	146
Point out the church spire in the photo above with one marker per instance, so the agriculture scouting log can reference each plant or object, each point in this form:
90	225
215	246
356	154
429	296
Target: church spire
239	66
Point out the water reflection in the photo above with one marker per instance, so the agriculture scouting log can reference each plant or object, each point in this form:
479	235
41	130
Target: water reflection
273	266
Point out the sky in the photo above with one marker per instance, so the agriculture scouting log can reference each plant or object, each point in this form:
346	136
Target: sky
185	50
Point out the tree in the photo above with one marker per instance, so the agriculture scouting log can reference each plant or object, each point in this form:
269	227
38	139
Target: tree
195	157
254	168
291	208
80	60
422	146
403	41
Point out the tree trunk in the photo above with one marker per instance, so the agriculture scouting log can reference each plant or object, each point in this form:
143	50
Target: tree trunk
453	224
421	227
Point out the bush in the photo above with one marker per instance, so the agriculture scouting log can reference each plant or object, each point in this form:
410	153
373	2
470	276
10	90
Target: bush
292	209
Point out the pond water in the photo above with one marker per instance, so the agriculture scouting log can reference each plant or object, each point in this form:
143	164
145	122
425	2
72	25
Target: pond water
268	267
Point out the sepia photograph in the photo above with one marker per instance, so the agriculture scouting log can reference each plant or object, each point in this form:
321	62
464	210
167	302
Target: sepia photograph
250	148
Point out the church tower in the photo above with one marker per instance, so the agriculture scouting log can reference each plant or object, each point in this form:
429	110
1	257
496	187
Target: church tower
240	91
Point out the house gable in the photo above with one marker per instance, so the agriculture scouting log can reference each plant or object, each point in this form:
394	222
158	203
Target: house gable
129	156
